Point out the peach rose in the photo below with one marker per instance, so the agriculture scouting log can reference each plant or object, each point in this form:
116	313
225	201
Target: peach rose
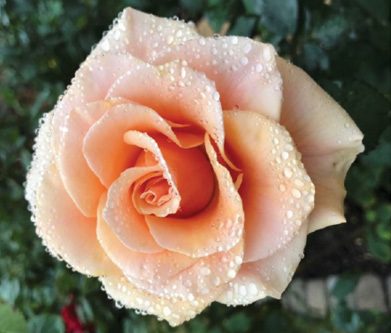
183	170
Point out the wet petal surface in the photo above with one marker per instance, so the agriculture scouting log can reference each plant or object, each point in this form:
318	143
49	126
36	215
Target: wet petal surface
244	71
326	136
276	191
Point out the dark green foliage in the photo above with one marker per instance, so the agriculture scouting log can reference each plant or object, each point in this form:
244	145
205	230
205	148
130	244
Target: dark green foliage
344	46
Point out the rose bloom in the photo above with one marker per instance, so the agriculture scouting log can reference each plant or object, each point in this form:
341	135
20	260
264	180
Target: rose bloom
183	170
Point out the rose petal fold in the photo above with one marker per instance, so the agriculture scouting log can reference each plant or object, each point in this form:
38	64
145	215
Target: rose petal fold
122	217
143	35
175	310
276	191
266	277
327	138
66	232
244	71
217	228
177	93
80	182
104	147
91	83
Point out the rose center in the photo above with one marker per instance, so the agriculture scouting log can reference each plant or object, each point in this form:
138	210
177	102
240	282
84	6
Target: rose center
157	191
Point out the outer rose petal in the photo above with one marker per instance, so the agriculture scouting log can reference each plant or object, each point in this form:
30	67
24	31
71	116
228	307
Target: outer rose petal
277	193
143	35
66	231
158	266
106	151
91	83
177	93
217	228
77	176
266	277
169	274
326	136
245	71
175	311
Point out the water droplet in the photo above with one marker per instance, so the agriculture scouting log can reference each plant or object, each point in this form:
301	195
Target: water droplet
296	193
287	172
105	45
166	311
244	61
247	47
231	273
259	68
252	289
282	188
201	41
267	55
205	271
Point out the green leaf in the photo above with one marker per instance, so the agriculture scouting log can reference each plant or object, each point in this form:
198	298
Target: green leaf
330	32
279	16
237	323
377	247
243	26
46	323
345	285
9	290
11	321
345	319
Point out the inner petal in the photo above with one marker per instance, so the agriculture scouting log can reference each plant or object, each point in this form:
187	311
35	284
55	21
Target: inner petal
192	174
153	194
157	191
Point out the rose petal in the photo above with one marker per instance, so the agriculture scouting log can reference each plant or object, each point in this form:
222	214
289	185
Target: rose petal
175	311
142	35
144	141
124	220
266	277
108	158
144	266
177	93
81	183
326	136
244	71
66	232
43	157
91	83
276	191
192	175
217	228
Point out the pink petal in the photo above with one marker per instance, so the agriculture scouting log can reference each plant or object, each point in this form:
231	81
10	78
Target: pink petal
106	151
327	138
174	310
66	232
177	93
91	83
81	183
266	277
276	191
144	141
122	217
144	266
244	71
217	228
143	35
192	175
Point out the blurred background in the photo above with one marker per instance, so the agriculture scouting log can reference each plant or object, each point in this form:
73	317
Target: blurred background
344	282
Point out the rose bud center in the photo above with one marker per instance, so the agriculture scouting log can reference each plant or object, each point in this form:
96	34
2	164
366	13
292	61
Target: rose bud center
183	164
